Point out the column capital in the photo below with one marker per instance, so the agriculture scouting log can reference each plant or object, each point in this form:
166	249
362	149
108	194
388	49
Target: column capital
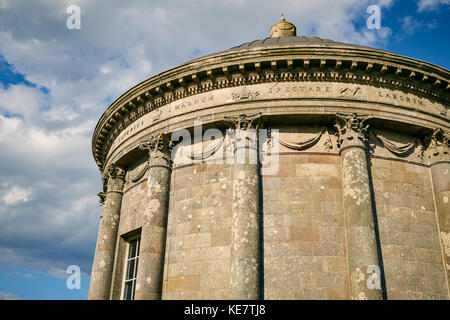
438	145
159	148
114	171
113	178
245	122
352	131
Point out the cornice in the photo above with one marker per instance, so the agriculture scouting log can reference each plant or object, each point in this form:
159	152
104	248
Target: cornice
235	68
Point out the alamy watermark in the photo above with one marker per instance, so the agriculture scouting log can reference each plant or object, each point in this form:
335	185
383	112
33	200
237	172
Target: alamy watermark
73	21
73	281
374	20
374	277
241	146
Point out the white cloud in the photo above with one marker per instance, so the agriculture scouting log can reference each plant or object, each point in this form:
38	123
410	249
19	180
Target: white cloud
409	25
430	5
21	99
8	296
15	194
19	275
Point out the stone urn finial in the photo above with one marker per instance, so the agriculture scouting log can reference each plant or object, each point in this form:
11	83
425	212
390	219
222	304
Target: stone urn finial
283	28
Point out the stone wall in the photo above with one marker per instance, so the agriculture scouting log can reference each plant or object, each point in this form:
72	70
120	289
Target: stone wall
408	227
304	236
198	246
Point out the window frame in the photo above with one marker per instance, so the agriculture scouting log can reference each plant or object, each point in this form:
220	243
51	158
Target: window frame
128	259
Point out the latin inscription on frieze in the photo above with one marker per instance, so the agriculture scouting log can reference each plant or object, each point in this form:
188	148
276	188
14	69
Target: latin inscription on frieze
184	104
268	91
357	92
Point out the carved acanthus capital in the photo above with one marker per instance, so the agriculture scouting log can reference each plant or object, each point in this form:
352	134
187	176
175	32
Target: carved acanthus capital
159	148
351	130
114	171
245	122
113	178
438	145
246	129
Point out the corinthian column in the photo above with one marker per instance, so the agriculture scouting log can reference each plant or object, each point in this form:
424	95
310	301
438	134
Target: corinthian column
245	242
362	250
154	219
102	268
439	154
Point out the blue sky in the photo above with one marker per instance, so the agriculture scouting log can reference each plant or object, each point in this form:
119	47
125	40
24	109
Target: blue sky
55	83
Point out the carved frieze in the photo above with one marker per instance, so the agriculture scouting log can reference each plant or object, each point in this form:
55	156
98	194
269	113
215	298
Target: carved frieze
413	148
207	152
138	175
308	143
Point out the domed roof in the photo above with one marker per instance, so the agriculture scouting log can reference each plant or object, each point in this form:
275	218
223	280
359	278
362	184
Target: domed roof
293	41
283	34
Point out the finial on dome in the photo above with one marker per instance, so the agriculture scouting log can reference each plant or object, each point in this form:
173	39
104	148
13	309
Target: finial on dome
283	28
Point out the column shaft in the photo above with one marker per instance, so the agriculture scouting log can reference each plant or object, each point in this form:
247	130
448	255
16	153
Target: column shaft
245	242
362	247
439	151
359	222
100	285
154	220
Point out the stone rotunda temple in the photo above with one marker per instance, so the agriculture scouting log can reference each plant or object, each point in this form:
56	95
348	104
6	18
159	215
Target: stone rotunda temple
285	168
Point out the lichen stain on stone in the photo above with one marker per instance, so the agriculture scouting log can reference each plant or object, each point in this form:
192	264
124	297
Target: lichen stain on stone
355	181
154	205
153	187
358	275
361	296
445	237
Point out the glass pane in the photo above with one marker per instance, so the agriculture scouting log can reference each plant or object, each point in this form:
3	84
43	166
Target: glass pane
130	269
137	264
128	294
138	246
134	286
132	252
